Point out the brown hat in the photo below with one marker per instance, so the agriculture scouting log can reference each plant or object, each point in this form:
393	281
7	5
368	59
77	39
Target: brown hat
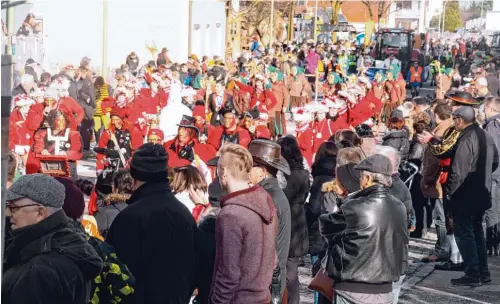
268	153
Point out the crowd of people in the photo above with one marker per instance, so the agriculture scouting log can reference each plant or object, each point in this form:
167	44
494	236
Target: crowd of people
202	195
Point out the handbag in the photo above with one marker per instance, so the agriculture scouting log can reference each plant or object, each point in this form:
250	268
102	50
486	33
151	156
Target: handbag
323	284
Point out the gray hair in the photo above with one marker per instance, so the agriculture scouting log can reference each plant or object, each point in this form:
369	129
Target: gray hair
378	178
392	154
493	103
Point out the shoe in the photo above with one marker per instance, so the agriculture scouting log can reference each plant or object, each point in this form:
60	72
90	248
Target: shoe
449	266
466	281
434	258
418	235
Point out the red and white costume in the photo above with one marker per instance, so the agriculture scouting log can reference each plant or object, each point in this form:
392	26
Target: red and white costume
20	136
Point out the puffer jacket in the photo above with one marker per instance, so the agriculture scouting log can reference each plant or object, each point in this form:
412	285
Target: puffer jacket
399	140
361	258
44	256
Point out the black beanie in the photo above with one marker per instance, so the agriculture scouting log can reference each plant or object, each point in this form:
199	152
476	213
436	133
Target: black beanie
149	163
349	177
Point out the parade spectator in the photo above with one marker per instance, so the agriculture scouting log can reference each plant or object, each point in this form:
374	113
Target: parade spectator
398	135
29	68
414	78
115	201
296	192
470	179
267	161
29	27
29	264
133	63
86	99
368	141
348	155
45	79
185	181
11	169
492	218
155	228
380	257
243	271
26	86
323	170
69	73
101	120
493	82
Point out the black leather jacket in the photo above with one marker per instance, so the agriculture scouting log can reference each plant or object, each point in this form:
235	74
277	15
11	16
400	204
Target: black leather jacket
366	239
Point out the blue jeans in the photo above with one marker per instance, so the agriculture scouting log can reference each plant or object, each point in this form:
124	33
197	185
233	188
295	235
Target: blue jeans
314	258
469	233
442	248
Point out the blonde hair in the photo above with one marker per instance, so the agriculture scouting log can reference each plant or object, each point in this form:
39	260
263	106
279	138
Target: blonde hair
236	160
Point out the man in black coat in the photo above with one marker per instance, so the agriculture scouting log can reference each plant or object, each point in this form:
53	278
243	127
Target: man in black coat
264	174
155	235
468	189
48	259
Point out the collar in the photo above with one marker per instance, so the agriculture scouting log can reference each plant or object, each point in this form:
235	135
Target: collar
148	189
269	183
378	188
492	118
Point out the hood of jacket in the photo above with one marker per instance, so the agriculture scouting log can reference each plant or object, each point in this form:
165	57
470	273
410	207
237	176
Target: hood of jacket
324	166
255	199
58	234
116	198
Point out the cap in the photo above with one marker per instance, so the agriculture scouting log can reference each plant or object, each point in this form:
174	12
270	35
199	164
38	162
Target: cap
349	177
466	113
376	163
397	114
39	188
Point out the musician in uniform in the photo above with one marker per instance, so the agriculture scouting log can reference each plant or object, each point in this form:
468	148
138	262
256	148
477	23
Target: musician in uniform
116	138
218	101
199	114
57	139
256	124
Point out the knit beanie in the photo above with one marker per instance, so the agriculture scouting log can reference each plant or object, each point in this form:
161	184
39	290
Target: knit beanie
74	203
349	177
149	163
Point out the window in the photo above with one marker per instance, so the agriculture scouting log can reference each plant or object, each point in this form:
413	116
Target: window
404	5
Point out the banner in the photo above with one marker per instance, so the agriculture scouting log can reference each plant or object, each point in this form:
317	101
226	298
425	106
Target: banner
369	29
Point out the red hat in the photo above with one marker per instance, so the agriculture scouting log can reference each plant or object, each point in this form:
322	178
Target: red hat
107	104
120	112
199	110
156	132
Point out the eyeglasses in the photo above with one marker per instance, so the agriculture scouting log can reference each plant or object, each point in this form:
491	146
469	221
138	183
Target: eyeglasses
13	209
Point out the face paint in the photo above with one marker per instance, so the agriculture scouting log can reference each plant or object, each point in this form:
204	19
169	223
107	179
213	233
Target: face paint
49	102
60	123
274	77
248	122
117	122
229	121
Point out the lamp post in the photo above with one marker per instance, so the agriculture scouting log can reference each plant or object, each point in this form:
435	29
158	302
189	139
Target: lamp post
444	15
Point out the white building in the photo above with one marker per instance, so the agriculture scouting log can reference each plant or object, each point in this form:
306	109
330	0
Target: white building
410	14
73	29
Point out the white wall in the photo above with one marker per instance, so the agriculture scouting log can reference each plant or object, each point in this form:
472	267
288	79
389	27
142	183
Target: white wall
74	29
208	28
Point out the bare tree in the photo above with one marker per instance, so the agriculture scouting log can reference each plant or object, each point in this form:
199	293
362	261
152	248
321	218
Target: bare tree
257	15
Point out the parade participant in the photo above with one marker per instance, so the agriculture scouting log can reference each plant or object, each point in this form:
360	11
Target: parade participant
443	82
261	98
394	95
38	112
151	100
256	124
331	86
116	138
57	139
368	104
62	85
299	88
322	128
175	110
155	136
218	101
230	132
26	86
19	134
184	148
304	133
415	78
277	119
199	114
101	120
378	86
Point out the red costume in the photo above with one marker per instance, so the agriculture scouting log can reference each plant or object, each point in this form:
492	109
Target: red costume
322	130
36	116
238	136
180	155
19	134
366	108
66	143
123	139
305	138
200	123
264	100
77	113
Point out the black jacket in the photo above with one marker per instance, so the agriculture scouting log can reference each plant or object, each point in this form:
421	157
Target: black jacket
492	126
399	141
470	177
296	191
322	171
49	262
86	97
284	223
206	248
366	255
155	237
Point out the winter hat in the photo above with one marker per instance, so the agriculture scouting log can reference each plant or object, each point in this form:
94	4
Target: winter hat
74	203
149	163
40	188
301	115
52	93
199	110
156	132
397	114
349	177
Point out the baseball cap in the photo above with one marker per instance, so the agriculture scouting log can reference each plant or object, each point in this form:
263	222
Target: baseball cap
39	188
376	163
